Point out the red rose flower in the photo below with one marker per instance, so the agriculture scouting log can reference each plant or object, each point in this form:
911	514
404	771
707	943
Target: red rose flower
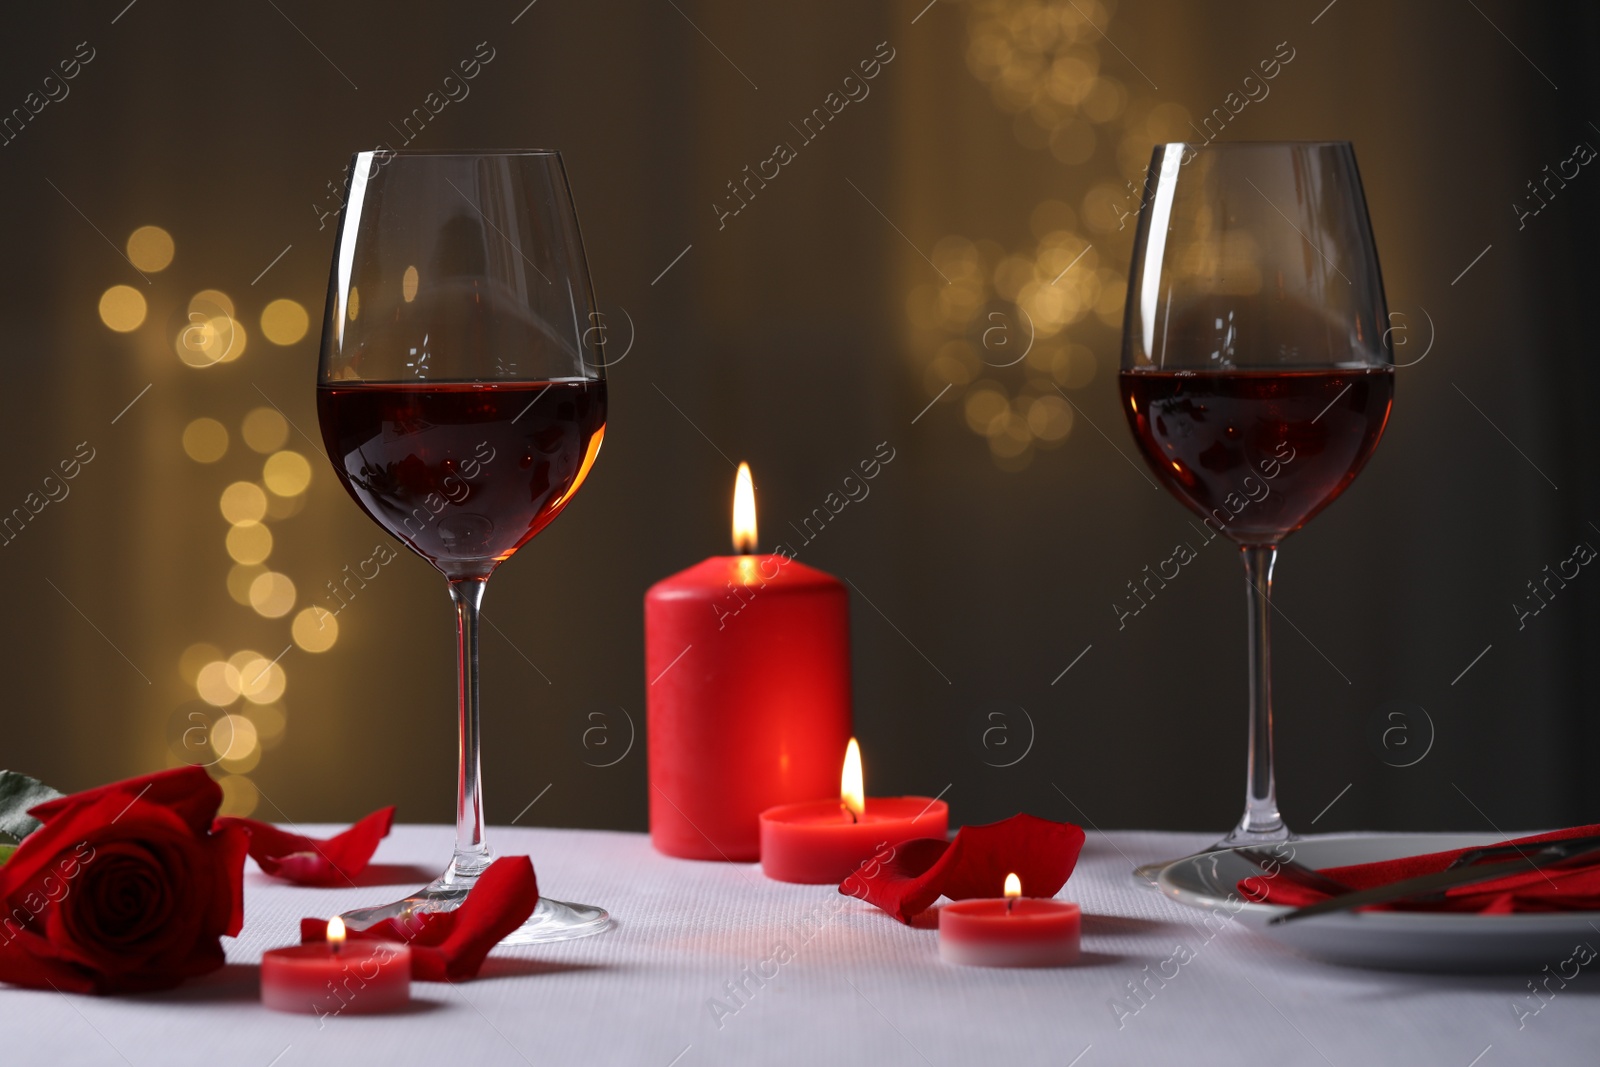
123	888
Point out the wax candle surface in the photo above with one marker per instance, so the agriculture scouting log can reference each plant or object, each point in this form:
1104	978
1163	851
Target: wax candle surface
361	978
1033	933
747	663
817	843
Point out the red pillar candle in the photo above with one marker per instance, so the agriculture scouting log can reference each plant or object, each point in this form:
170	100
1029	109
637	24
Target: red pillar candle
337	977
1016	931
747	662
817	842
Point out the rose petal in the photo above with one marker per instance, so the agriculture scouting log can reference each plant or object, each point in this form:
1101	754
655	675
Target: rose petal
906	879
452	945
312	861
188	792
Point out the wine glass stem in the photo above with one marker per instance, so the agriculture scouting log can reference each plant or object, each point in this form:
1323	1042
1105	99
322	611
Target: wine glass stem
1262	820
472	854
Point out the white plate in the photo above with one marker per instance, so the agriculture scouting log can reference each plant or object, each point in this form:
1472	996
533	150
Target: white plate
1392	940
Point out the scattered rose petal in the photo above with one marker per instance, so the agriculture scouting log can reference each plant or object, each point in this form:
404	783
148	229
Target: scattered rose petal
452	945
907	878
310	860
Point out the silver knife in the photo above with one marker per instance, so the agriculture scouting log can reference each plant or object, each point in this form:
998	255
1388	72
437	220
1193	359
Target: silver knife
1546	858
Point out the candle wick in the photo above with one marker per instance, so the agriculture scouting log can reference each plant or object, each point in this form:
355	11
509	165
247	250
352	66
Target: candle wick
1009	902
848	810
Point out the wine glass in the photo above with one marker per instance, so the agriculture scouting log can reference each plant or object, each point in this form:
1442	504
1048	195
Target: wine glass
1256	368
462	400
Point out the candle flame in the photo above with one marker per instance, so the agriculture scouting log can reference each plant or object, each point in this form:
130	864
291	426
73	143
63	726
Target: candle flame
852	786
336	933
744	512
1013	887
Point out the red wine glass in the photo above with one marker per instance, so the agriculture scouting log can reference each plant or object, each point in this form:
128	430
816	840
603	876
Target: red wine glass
1256	369
462	400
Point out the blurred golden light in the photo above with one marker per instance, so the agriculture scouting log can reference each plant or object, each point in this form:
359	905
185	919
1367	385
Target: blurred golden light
240	577
408	285
284	321
122	308
242	764
243	502
205	440
218	683
355	302
210	303
315	629
249	542
193	658
272	594
285	507
233	737
242	657
286	473
270	722
984	405
239	795
264	430
261	681
150	248
206	341
1050	418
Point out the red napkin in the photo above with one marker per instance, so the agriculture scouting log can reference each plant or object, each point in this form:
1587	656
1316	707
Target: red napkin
308	860
450	946
905	879
1577	889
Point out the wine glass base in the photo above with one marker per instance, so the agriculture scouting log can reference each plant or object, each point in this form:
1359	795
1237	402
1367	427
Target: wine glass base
1147	873
552	920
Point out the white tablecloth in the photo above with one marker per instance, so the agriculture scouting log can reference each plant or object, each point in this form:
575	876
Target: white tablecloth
860	988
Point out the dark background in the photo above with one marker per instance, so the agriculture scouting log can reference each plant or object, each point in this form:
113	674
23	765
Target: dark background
799	336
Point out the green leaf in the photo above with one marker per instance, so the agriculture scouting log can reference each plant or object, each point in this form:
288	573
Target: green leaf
5	853
18	793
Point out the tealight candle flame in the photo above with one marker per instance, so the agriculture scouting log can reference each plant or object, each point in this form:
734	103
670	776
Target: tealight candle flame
1013	891
744	512
852	786
335	933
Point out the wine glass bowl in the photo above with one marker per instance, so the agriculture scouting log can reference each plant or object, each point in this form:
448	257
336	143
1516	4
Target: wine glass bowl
1257	374
462	401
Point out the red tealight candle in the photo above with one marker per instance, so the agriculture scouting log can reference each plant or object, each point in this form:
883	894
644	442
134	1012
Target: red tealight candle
1016	931
823	841
337	977
747	661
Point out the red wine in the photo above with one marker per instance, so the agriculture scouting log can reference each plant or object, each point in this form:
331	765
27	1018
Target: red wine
1257	453
463	472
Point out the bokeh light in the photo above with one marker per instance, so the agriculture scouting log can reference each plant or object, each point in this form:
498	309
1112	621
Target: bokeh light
249	542
205	440
241	576
193	658
270	722
408	285
315	629
217	683
210	303
239	795
283	322
286	473
261	681
272	594
233	737
122	308
243	502
264	430
150	248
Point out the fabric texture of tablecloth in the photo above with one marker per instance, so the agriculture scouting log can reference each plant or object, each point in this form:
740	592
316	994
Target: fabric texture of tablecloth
711	963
